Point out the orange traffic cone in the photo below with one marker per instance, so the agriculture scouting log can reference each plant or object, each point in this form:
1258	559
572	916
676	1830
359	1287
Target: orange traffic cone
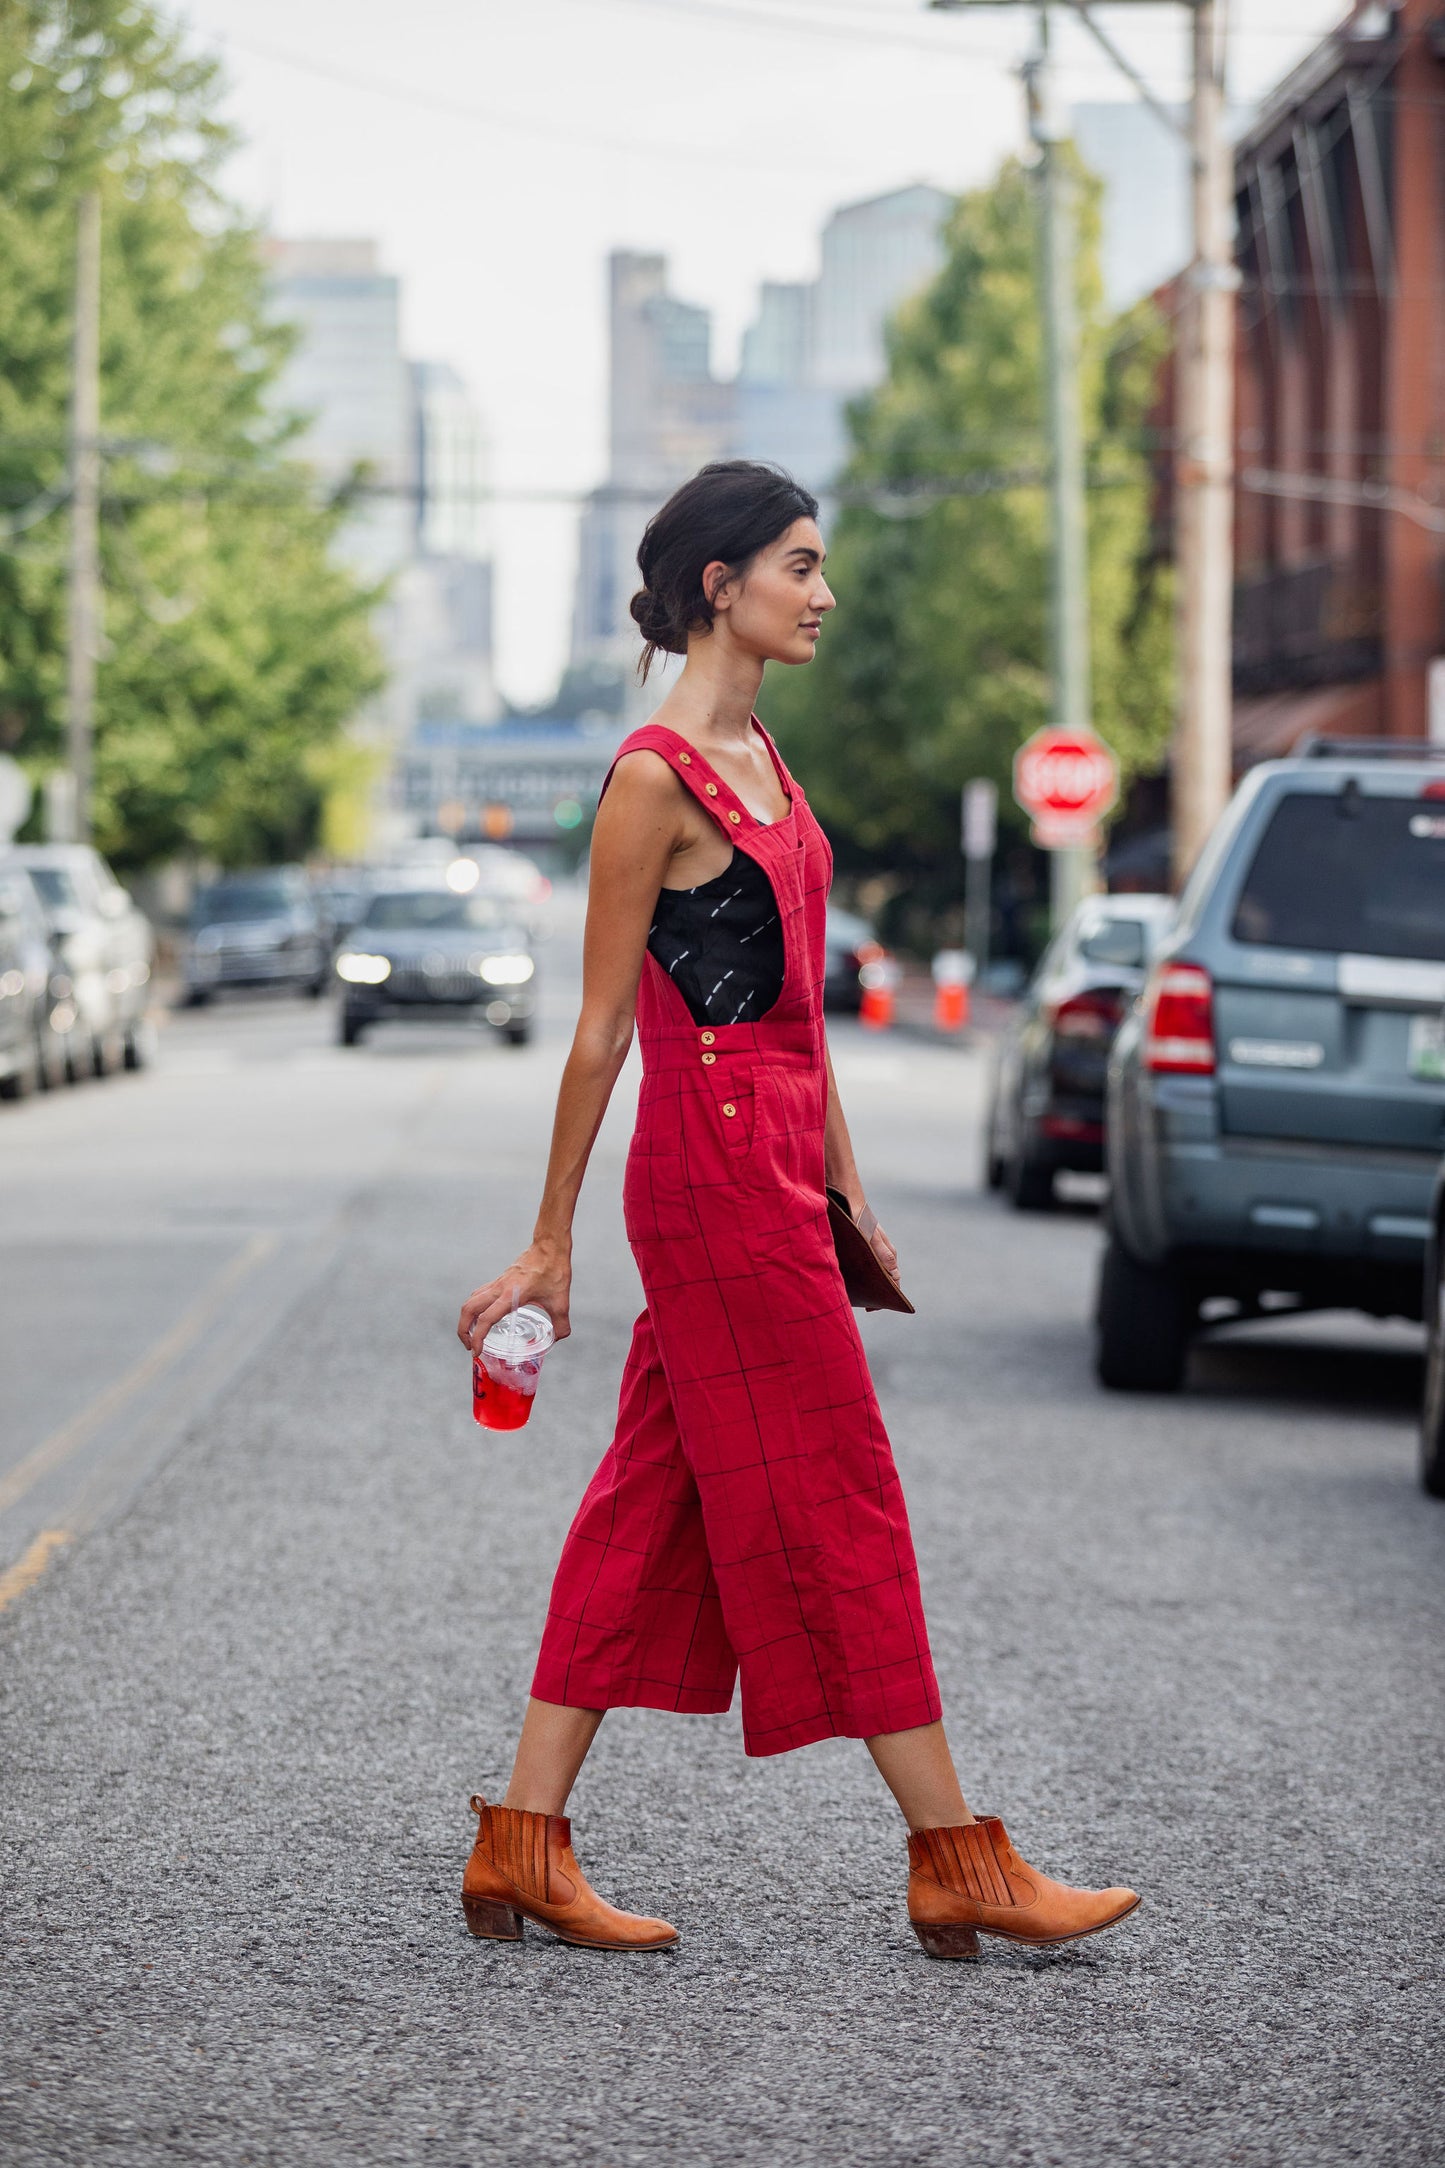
950	1008
875	1011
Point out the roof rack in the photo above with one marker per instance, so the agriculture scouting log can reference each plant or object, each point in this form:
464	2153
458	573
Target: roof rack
1317	747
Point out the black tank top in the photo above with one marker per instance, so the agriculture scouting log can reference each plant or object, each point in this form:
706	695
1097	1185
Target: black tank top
721	944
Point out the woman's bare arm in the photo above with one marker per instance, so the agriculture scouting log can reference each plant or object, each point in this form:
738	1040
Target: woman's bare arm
642	823
840	1169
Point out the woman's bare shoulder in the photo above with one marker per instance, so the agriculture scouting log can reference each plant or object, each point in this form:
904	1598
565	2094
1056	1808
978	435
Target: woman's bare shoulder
644	782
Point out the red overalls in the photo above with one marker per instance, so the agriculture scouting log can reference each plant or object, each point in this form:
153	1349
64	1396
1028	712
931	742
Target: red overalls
747	1517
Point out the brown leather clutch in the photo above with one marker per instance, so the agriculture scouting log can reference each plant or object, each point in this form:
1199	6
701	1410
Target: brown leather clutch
867	1283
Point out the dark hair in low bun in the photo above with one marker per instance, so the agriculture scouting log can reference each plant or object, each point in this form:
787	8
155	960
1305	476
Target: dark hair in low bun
729	511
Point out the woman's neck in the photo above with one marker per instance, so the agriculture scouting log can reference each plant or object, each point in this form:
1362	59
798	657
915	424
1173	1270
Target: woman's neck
716	692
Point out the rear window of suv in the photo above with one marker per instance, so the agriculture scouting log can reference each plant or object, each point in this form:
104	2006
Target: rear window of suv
1350	874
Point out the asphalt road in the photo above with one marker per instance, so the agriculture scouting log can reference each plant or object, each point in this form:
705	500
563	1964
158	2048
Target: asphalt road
278	1601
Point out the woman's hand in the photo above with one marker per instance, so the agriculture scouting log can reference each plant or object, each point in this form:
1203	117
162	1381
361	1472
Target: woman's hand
877	1241
542	1274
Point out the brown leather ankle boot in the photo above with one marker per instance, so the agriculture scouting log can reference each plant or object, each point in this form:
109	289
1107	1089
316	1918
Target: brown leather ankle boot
966	1881
522	1867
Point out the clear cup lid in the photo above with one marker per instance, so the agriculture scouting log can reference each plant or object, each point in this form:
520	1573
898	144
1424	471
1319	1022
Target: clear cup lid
522	1335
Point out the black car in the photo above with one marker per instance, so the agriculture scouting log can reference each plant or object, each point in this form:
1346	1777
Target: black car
1051	1071
850	946
427	951
256	929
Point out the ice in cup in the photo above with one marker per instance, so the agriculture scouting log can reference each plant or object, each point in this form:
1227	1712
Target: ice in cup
507	1366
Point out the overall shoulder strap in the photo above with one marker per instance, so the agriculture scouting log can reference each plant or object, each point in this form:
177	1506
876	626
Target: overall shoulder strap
790	782
690	769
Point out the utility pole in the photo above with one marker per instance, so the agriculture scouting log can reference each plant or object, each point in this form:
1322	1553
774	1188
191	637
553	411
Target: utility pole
1202	769
84	611
1202	773
1071	871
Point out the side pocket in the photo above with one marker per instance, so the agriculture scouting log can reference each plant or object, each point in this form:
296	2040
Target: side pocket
657	1203
736	1106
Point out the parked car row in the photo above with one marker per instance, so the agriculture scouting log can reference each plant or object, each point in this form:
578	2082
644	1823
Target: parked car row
1268	1094
76	957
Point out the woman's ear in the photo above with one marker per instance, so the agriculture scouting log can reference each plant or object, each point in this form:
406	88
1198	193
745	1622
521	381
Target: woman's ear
715	585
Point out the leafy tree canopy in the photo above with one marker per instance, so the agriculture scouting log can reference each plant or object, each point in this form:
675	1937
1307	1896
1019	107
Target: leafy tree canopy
235	646
935	667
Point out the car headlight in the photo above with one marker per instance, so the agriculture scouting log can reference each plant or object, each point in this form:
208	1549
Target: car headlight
502	970
359	969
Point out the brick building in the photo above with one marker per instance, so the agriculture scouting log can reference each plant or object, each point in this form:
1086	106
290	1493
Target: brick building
1340	499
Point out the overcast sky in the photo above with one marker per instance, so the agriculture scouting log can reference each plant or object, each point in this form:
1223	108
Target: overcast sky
497	149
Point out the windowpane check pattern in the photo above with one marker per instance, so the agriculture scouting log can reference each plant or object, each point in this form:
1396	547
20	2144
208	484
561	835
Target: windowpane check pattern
747	1522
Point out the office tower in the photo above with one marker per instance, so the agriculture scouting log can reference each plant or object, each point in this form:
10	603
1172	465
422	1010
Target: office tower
667	416
815	346
347	376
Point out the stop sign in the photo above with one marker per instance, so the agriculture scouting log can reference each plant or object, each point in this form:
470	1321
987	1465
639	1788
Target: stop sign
1066	781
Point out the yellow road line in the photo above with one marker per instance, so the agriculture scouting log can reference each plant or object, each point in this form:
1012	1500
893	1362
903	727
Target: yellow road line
29	1568
187	1329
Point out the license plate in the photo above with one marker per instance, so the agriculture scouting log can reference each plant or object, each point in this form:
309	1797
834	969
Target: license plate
1427	1049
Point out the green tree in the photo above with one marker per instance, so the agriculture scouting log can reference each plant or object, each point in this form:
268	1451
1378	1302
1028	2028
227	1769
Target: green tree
236	647
935	668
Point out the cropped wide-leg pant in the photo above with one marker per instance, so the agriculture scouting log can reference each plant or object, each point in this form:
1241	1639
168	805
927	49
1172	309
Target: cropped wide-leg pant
747	1520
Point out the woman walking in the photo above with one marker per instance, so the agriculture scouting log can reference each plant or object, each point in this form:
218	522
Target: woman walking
747	1520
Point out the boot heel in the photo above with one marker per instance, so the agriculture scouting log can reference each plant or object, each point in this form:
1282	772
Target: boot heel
945	1941
492	1920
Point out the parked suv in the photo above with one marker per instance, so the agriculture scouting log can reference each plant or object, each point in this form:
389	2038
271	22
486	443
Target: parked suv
1277	1099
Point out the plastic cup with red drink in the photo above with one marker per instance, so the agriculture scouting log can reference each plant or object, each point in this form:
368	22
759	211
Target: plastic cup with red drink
506	1367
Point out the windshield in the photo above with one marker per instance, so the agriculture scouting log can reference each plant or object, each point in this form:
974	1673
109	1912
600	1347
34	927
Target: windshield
1354	875
417	910
55	885
247	899
1122	941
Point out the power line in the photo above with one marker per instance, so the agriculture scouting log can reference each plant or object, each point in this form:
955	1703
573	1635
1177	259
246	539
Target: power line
434	101
830	29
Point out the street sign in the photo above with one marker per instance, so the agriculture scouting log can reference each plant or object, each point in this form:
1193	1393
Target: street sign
980	818
1066	781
